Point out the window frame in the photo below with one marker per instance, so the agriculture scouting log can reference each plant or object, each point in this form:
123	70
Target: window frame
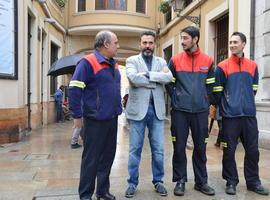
106	5
14	75
78	1
144	9
221	38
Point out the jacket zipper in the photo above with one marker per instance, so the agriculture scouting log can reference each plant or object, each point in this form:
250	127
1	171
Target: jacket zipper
241	81
192	84
98	100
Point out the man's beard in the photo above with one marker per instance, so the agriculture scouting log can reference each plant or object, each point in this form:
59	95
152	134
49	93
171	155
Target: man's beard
147	52
189	49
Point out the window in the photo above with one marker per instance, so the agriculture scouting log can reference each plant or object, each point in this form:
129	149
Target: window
54	57
140	6
81	5
168	16
168	53
111	4
8	40
187	2
221	38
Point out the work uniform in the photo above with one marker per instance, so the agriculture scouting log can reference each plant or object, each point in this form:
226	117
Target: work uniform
193	77
235	88
95	97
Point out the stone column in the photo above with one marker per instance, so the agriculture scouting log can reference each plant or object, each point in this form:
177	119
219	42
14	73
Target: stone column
262	57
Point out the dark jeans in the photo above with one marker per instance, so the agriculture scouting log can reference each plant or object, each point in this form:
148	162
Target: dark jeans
98	154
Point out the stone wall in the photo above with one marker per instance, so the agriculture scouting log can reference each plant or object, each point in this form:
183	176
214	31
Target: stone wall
262	57
13	121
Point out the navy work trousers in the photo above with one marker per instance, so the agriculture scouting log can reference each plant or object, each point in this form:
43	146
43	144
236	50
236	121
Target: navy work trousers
99	143
246	129
181	123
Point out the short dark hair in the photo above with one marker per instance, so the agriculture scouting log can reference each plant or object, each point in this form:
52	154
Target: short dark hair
241	35
192	31
101	38
62	87
148	33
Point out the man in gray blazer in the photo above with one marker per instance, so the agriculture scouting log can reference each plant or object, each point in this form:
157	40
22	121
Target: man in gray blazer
147	75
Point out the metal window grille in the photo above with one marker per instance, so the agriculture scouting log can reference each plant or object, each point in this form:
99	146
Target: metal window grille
221	38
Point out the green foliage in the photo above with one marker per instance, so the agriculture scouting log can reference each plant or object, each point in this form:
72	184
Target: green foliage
164	6
61	3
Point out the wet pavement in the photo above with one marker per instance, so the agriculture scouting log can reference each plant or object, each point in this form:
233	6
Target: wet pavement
44	167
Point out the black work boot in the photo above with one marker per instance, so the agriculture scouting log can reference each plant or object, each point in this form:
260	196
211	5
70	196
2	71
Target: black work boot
179	189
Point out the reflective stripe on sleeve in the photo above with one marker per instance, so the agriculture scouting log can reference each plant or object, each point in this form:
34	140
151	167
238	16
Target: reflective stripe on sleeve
218	89
210	80
75	83
255	87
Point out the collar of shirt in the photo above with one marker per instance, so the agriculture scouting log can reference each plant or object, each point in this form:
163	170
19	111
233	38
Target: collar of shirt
237	59
148	61
102	59
195	53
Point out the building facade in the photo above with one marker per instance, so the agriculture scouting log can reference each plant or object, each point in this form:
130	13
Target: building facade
261	24
47	31
26	98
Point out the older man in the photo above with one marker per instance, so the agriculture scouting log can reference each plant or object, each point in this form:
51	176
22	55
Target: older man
95	96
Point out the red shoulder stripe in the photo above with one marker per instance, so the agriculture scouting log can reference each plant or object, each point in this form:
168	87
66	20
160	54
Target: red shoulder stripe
91	58
229	66
183	62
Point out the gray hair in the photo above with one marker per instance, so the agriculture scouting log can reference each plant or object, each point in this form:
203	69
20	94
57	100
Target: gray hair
102	37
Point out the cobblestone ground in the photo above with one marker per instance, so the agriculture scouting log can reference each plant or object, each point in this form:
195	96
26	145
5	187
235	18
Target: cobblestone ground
44	167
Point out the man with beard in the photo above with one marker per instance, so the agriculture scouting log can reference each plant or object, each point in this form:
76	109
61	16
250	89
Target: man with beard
147	75
193	79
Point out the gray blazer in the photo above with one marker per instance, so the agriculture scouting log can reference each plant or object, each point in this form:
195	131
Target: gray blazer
141	86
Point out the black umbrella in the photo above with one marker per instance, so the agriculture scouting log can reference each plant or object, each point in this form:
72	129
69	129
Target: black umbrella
65	65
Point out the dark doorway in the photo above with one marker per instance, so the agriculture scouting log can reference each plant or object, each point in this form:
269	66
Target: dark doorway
221	38
54	57
167	56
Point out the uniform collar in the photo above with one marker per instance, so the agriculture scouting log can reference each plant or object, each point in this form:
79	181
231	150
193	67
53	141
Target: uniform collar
102	59
236	59
195	53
